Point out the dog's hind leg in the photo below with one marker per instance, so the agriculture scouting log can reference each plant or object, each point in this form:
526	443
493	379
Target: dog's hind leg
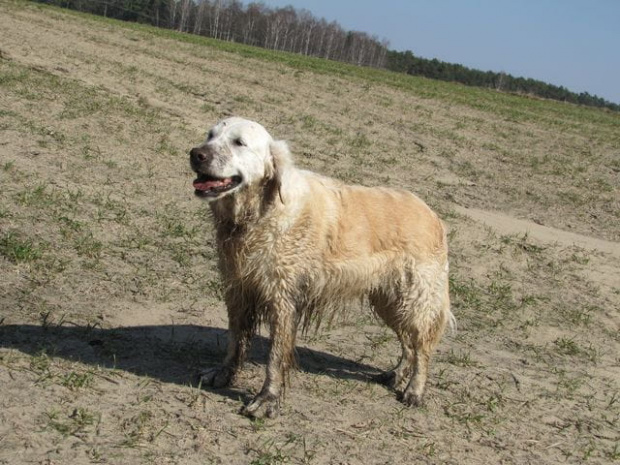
396	377
414	392
386	309
428	318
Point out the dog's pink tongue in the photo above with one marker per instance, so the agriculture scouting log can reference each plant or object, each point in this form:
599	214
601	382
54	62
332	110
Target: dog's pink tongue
206	185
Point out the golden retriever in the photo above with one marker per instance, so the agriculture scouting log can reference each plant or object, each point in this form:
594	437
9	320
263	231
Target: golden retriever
293	245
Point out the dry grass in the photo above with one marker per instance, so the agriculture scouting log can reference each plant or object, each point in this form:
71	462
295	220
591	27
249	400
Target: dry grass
110	300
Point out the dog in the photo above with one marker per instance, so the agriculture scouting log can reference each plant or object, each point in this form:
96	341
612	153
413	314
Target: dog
294	246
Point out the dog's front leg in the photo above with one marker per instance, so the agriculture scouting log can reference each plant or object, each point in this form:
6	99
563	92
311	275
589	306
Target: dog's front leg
241	328
281	358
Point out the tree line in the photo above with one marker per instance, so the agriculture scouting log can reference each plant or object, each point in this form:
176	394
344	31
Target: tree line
435	69
299	31
284	29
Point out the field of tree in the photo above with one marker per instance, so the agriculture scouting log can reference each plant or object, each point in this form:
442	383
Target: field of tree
110	300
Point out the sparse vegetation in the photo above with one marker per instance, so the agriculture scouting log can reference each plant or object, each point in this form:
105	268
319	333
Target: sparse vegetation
110	300
17	249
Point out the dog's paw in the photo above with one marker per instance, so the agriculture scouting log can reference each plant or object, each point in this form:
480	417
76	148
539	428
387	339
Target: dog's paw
217	377
263	405
411	399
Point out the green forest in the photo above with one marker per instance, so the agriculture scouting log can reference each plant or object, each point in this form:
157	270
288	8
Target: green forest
407	62
299	31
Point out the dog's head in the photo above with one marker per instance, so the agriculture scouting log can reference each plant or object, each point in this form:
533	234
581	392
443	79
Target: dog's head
236	154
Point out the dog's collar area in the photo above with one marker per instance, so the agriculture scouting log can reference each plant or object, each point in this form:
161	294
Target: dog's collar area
212	186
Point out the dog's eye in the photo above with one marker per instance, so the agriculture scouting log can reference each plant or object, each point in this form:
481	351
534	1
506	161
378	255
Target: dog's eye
239	142
210	135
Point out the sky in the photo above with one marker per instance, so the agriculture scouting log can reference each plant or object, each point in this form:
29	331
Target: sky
570	43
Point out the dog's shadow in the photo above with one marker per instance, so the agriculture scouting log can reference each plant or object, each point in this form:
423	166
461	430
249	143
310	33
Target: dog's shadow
170	353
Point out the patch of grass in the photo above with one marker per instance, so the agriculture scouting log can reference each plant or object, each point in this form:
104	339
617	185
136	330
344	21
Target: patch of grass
568	384
174	227
110	209
270	458
180	254
18	249
69	226
74	380
309	122
567	346
360	141
244	100
272	453
466	293
523	243
166	147
86	245
570	347
141	428
578	315
459	358
74	424
495	401
613	453
463	414
36	196
40	364
379	340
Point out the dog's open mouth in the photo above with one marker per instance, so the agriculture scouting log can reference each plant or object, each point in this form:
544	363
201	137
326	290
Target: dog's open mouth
211	186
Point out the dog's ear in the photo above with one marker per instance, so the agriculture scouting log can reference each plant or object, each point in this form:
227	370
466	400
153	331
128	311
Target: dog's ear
281	160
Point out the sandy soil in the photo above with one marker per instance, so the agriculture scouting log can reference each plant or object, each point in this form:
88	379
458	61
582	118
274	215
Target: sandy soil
110	301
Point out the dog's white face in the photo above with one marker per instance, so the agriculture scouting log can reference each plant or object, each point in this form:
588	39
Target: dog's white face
235	154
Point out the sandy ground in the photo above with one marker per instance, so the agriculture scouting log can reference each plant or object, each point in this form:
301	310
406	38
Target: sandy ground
110	301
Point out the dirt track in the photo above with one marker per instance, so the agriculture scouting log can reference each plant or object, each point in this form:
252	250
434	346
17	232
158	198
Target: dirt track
110	301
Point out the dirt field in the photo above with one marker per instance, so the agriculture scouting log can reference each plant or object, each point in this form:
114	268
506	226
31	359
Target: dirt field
110	300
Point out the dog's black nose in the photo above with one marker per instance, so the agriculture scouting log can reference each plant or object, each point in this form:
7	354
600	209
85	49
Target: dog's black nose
198	154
